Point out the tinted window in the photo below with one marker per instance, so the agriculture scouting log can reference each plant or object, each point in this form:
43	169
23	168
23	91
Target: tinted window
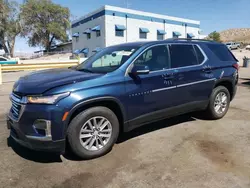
2	59
199	54
156	58
222	52
182	55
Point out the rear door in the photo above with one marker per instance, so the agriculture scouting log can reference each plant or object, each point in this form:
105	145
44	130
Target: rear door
193	75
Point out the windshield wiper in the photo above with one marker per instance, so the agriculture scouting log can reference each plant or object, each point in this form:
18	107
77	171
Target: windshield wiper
85	70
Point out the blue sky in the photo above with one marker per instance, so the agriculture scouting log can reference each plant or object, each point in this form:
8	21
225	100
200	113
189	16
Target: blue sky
214	14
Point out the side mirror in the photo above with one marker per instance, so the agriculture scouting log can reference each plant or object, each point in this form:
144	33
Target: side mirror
140	69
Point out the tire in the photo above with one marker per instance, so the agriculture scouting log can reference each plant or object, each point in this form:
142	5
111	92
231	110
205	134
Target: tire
211	112
76	126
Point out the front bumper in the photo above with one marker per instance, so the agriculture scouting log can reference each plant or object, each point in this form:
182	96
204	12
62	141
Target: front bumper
17	134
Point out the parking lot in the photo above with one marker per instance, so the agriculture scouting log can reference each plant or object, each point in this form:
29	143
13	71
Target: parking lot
185	151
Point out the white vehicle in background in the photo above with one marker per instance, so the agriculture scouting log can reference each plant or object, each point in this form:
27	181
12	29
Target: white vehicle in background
248	47
232	45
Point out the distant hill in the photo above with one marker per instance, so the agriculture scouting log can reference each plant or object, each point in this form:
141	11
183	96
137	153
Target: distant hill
236	35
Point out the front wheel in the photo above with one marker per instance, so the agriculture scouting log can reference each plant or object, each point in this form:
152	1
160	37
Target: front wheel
219	103
93	132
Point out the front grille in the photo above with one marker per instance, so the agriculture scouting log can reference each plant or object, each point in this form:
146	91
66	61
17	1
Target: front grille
16	107
17	96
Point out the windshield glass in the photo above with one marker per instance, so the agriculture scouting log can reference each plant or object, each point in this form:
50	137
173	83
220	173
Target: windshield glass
107	60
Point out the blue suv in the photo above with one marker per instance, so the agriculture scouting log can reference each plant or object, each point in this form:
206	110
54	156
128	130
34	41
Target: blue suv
118	89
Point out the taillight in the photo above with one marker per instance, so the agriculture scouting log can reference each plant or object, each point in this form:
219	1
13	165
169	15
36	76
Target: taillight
236	66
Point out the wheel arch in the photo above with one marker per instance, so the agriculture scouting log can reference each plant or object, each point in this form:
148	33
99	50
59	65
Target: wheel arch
110	102
227	83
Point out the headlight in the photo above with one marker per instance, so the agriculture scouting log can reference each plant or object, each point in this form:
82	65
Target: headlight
52	99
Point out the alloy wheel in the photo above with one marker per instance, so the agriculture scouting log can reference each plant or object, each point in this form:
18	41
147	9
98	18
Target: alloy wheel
220	103
95	133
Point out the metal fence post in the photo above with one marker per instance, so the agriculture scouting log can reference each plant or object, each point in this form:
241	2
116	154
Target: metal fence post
1	80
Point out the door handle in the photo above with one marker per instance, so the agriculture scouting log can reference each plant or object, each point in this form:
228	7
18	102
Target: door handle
168	76
207	70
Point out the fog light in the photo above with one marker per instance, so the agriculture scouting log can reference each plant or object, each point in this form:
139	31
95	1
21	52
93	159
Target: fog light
43	129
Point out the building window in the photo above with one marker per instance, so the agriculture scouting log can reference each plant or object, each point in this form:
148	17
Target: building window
98	33
143	35
119	33
160	37
119	30
160	34
88	35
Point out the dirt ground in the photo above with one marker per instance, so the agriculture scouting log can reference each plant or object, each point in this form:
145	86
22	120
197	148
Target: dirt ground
184	151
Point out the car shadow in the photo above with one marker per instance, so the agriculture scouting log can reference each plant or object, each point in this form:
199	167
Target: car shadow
245	81
156	126
31	155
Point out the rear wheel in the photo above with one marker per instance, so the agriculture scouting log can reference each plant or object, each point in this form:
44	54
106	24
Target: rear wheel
219	103
93	132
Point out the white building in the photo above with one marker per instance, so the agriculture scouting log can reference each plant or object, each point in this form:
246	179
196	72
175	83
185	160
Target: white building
113	25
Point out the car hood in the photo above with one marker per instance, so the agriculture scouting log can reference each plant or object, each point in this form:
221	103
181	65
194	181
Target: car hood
41	81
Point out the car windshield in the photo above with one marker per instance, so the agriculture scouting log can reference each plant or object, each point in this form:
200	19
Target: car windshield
107	60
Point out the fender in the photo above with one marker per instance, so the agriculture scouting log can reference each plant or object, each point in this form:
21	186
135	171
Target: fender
217	81
93	100
232	85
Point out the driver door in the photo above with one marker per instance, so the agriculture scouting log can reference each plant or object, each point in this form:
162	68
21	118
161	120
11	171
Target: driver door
148	95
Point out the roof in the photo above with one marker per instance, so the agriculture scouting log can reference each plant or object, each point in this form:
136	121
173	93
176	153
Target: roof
130	13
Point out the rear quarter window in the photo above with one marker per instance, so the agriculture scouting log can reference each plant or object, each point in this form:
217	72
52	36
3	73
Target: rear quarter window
222	52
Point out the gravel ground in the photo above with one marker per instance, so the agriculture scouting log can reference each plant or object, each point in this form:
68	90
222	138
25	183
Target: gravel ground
184	151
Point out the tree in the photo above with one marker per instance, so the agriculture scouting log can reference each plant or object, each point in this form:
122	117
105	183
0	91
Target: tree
214	36
10	25
45	22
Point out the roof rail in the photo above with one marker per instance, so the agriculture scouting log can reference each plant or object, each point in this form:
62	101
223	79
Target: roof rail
190	39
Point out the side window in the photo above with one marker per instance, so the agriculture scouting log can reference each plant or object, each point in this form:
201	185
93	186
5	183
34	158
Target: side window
148	55
222	52
182	55
156	58
199	54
